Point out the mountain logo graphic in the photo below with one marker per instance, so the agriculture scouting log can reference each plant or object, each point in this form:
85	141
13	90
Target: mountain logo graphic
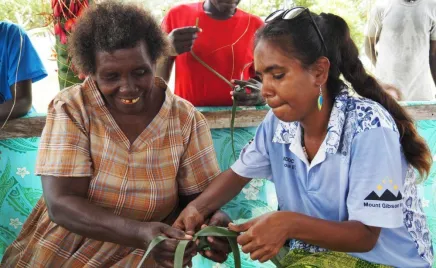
386	196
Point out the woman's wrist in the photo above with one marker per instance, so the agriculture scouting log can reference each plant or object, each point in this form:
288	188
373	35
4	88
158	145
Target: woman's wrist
136	235
143	233
202	209
289	221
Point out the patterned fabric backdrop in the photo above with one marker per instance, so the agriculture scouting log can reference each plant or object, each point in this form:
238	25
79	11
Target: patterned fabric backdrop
20	189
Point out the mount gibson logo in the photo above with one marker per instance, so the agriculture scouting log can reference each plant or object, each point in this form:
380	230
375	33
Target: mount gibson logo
376	201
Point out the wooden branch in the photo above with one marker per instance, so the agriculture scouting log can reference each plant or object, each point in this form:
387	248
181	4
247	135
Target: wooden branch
32	127
23	128
243	118
422	112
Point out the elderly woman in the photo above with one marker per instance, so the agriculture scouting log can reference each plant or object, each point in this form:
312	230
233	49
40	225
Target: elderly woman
119	156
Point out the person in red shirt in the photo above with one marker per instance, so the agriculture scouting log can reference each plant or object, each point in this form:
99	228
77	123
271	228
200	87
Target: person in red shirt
221	36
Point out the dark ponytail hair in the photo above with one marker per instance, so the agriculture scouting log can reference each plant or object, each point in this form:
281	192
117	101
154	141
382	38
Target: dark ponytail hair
299	39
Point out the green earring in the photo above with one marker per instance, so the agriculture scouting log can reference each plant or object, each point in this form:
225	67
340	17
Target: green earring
320	98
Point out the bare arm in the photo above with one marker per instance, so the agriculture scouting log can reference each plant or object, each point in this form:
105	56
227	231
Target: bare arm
346	236
263	237
433	59
165	67
222	189
69	207
23	101
184	200
370	43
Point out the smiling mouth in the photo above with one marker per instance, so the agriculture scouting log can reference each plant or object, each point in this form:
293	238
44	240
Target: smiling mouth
130	101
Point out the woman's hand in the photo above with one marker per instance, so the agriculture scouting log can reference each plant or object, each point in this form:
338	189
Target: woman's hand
219	246
190	220
248	92
164	252
264	236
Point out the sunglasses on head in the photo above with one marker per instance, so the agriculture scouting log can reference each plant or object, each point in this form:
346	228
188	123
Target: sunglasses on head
289	14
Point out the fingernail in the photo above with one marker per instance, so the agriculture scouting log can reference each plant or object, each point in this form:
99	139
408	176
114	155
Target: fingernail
210	239
200	29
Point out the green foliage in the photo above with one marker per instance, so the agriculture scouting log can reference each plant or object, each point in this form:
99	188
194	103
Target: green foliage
66	75
354	12
261	8
27	13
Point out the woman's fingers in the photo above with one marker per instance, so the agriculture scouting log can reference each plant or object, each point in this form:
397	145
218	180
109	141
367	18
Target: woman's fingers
216	256
250	247
219	244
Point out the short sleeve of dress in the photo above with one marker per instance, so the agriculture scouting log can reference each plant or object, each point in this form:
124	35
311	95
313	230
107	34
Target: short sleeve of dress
376	179
64	145
198	165
254	161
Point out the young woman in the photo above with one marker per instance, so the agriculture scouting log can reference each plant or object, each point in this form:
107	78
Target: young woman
343	164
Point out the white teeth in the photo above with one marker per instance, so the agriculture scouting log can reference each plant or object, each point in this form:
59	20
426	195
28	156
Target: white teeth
130	101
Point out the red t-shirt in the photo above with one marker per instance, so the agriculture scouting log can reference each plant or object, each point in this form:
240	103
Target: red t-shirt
194	82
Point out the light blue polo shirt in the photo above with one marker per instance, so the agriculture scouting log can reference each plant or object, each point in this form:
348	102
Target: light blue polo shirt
359	174
19	60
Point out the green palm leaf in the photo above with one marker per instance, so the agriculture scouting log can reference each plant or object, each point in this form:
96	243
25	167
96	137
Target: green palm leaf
208	231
